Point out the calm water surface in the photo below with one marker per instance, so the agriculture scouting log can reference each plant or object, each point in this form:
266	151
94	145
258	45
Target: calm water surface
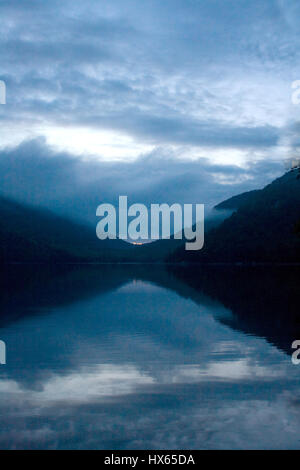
130	357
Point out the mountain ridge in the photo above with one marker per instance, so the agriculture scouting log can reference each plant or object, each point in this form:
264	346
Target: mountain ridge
33	234
262	228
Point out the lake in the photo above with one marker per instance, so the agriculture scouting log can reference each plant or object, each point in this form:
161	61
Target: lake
148	357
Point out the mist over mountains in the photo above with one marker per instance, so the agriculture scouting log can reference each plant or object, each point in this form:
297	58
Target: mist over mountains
260	226
264	227
29	234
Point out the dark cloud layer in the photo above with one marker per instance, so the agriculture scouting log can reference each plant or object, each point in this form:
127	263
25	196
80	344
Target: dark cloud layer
207	79
35	174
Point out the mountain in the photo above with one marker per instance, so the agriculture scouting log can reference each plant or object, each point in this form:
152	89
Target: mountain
28	234
161	250
236	202
264	227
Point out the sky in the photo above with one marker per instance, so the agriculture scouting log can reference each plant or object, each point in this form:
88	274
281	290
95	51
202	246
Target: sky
163	101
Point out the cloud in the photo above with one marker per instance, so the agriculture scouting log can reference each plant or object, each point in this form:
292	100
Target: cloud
183	73
167	101
35	174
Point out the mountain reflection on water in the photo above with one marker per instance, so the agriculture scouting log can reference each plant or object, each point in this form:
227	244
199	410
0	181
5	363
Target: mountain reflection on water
129	357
